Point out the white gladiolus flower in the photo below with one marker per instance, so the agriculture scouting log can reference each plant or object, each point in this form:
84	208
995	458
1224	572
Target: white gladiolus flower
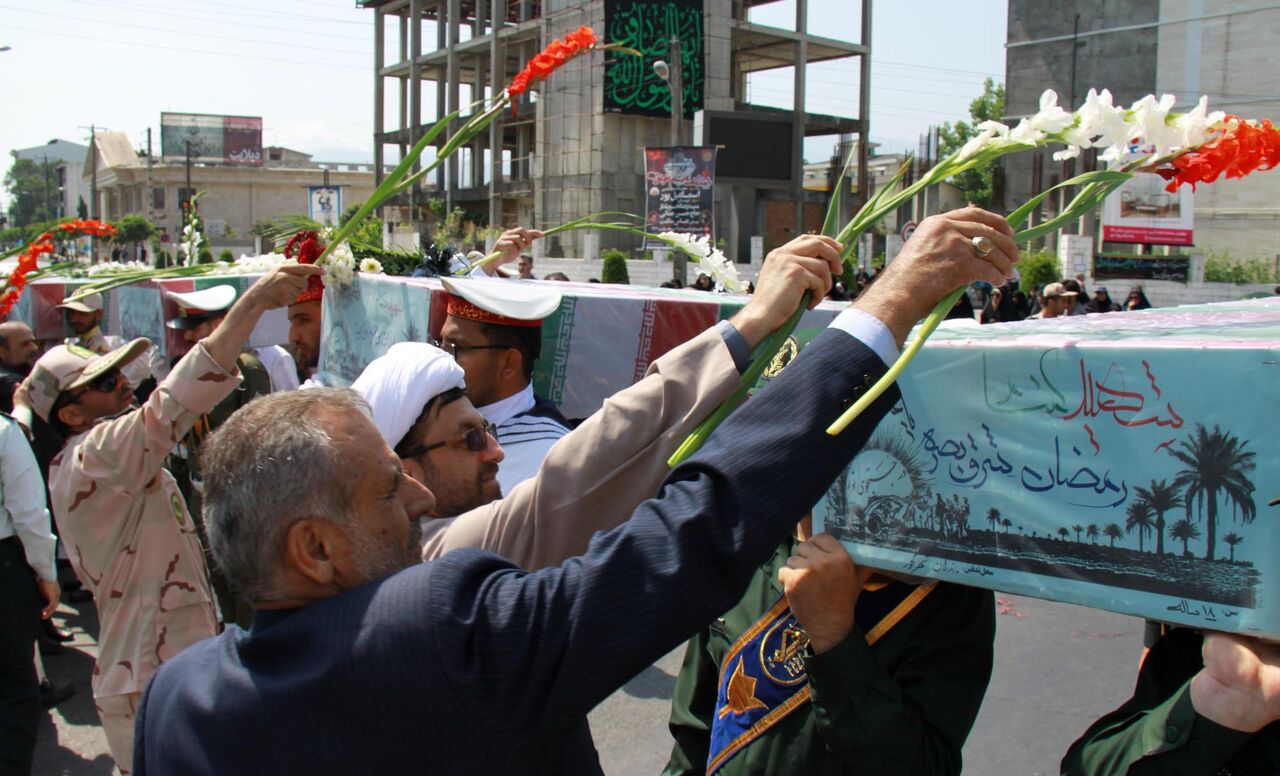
1194	127
1051	119
1150	122
1102	121
710	260
371	267
989	133
1026	134
1070	152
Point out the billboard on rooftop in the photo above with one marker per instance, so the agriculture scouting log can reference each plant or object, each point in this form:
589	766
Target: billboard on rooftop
211	139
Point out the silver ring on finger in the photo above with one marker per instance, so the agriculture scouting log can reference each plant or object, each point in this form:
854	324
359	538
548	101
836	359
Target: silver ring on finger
982	246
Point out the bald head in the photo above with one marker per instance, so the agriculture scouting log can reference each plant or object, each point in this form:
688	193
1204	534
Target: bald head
18	347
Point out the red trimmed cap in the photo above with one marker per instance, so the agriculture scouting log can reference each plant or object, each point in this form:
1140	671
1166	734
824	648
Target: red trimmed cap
314	292
461	308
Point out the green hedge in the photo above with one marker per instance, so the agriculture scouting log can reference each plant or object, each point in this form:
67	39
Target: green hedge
615	267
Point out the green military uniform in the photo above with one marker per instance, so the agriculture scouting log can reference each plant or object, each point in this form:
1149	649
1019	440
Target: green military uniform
184	465
1159	731
903	704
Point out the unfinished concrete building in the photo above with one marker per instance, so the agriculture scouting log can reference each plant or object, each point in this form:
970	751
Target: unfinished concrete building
575	146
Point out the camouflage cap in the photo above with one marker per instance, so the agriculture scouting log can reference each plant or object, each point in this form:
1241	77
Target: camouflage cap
89	304
68	367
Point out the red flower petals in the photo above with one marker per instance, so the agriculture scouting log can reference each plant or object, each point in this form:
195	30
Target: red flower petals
28	261
306	244
1236	153
545	62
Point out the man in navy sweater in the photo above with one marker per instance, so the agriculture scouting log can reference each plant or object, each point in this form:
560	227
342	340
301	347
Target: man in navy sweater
362	661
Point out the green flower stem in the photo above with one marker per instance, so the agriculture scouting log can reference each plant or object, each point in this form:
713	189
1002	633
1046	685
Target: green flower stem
585	222
129	278
931	322
1099	185
764	356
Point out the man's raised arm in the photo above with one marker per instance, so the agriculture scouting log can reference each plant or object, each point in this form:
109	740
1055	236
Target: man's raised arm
595	476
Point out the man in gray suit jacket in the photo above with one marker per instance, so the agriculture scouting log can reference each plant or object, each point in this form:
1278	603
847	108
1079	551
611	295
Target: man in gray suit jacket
467	664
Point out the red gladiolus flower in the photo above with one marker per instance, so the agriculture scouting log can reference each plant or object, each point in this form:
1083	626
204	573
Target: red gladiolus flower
547	61
558	51
1236	152
581	39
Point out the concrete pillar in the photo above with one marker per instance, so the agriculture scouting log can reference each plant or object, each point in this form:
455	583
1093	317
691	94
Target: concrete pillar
497	80
797	130
404	84
452	78
379	45
864	110
442	13
414	125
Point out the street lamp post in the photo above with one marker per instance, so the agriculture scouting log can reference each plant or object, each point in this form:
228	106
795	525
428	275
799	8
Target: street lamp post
673	74
672	71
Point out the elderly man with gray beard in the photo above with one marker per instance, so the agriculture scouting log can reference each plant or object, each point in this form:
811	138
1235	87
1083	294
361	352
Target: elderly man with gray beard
467	663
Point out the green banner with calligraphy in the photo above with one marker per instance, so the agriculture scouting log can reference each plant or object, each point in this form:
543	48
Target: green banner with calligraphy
630	84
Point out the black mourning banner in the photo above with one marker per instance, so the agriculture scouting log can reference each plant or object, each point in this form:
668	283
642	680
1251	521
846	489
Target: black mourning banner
679	191
630	85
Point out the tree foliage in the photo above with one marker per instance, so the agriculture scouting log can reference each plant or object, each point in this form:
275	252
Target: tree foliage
1226	268
978	184
369	233
1038	268
33	191
135	228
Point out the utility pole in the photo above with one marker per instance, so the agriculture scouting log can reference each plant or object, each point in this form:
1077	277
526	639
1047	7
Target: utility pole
677	89
93	188
149	207
151	196
189	192
673	74
49	212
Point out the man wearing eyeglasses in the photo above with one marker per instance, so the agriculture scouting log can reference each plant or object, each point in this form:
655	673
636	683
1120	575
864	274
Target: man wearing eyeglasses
494	331
381	664
122	517
596	475
418	401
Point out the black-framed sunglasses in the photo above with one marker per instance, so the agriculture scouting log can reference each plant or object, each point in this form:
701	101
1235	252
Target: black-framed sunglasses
104	383
476	440
453	348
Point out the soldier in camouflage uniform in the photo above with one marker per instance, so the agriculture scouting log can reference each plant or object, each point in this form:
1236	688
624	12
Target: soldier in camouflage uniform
84	319
199	315
122	516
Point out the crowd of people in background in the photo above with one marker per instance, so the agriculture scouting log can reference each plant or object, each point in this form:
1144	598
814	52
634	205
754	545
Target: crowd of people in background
229	487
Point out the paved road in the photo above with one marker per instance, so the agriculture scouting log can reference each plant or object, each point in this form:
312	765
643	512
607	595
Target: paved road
1057	668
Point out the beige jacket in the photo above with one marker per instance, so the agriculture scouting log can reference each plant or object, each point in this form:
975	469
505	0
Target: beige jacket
593	478
128	532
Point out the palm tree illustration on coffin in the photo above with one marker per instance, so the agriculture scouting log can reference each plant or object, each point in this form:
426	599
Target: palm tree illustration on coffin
1186	531
1091	532
1138	517
1113	531
1231	540
1160	497
1217	463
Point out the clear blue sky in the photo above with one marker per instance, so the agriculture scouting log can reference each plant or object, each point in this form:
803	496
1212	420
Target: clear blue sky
305	67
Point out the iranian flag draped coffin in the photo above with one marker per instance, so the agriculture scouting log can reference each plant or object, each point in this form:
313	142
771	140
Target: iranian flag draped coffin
1123	461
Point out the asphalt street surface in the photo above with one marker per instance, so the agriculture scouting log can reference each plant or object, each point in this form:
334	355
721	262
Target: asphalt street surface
1057	668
